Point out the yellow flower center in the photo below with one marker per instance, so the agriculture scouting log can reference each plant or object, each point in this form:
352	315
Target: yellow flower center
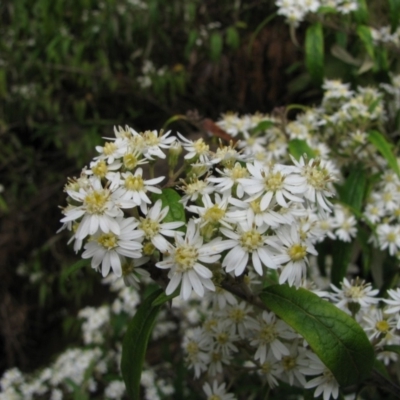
273	181
391	237
214	214
222	338
130	161
109	148
134	183
266	368
100	169
387	196
238	172
317	177
150	138
237	315
192	348
150	227
297	252
288	363
96	201
268	334
251	240
185	257
214	397
108	241
382	326
148	248
127	268
210	324
194	187
216	356
255	206
200	147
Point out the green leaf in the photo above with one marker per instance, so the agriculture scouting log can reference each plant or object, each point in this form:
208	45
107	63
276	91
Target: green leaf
135	343
385	148
298	148
395	348
394	6
170	198
361	14
334	336
232	37
314	48
193	35
262	127
353	191
72	269
381	59
216	44
163	298
341	256
380	369
364	33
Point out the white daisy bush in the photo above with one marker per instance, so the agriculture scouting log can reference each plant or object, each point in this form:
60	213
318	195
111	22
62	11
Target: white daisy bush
263	254
258	243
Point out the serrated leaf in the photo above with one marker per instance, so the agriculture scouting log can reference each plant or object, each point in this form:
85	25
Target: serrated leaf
170	198
314	48
298	148
385	148
216	44
135	342
394	14
334	336
353	190
364	33
232	37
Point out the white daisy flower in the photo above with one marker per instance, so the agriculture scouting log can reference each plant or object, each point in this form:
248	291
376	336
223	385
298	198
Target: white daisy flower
356	291
184	261
377	326
154	231
229	180
217	392
393	303
100	206
270	370
293	252
112	151
196	347
326	384
345	223
110	250
270	182
318	176
196	149
212	214
268	333
134	187
389	238
193	189
248	239
223	335
154	142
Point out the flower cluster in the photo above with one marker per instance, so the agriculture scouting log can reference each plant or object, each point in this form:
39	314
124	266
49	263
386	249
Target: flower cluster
295	11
